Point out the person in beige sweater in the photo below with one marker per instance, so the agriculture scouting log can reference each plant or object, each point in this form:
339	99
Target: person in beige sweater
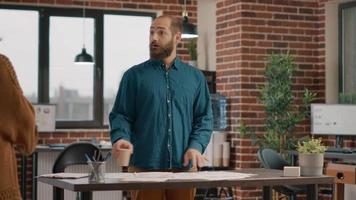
17	129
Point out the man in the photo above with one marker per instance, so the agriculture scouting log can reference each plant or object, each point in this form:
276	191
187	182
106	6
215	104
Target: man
162	112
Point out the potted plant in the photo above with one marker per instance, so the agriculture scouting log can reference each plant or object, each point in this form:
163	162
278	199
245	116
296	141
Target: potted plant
192	50
311	157
282	115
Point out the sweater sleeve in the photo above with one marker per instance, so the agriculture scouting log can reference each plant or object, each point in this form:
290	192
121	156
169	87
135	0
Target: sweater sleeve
17	117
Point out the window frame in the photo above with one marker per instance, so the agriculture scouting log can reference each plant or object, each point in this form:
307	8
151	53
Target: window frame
43	56
342	6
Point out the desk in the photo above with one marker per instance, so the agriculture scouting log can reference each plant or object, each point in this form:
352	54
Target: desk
264	177
340	187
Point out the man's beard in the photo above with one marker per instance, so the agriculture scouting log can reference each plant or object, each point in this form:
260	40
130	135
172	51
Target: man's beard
161	52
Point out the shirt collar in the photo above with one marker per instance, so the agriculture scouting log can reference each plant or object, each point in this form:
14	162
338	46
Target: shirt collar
175	64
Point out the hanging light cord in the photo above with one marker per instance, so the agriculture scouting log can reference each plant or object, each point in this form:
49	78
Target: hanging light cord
83	17
185	13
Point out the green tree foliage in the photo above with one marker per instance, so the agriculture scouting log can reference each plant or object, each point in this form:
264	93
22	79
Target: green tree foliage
282	115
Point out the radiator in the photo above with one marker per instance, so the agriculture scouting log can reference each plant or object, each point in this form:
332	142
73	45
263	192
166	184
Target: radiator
45	192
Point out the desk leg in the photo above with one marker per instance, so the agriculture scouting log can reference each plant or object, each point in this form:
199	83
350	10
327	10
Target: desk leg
34	175
23	176
340	189
312	192
86	196
267	193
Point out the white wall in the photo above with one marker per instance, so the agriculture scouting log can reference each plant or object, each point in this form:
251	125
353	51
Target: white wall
207	34
331	52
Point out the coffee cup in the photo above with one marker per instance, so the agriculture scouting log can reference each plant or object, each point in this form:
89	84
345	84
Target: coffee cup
123	158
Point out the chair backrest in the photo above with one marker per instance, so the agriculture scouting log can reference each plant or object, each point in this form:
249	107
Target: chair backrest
270	159
73	154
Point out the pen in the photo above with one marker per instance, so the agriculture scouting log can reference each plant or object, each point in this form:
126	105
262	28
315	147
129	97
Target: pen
87	157
94	156
107	155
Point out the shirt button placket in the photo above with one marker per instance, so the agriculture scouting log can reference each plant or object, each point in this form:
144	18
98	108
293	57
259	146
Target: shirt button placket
169	114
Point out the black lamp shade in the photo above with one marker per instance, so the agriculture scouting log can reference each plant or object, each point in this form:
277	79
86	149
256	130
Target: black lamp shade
189	29
84	58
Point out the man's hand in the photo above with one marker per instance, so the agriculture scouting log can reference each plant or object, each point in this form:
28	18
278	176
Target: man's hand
196	158
121	144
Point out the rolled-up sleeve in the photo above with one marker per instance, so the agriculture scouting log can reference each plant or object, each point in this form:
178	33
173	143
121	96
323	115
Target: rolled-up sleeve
122	116
202	119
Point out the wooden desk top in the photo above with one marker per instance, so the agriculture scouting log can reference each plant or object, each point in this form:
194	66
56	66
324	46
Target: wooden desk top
263	177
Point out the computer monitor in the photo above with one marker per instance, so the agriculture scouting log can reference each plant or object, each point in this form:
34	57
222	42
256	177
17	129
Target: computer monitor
333	119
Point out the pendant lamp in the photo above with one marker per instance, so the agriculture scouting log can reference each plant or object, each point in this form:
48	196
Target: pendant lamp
84	57
189	29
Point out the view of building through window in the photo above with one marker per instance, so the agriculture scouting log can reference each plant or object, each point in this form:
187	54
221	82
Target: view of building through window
21	47
71	85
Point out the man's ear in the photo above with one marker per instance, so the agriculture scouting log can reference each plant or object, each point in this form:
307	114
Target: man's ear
178	36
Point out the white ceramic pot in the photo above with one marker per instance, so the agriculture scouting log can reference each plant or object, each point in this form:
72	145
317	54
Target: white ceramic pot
311	164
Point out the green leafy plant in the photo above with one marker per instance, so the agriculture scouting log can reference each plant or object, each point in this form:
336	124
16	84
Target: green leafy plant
192	49
311	145
282	115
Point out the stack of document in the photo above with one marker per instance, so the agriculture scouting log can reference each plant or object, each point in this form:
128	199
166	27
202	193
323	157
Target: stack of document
64	175
165	176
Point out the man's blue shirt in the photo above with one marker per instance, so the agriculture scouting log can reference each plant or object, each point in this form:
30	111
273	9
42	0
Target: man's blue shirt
162	113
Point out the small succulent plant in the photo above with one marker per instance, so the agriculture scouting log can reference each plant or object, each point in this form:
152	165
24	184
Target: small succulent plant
311	145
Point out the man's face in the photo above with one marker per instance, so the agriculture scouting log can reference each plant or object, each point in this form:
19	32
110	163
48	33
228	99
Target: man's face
162	40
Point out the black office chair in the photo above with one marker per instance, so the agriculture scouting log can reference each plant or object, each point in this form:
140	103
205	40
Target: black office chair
270	159
73	154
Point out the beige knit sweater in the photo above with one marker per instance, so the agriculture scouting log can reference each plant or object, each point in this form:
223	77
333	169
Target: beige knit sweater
17	129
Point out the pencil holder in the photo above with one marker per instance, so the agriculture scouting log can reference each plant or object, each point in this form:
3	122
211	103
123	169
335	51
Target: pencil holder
97	171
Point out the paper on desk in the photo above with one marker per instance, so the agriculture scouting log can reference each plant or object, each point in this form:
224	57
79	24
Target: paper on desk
143	176
64	175
165	176
210	175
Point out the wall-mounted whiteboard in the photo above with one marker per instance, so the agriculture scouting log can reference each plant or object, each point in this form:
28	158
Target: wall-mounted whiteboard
333	119
45	117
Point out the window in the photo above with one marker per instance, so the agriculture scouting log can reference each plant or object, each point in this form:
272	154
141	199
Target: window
43	57
70	85
347	56
21	47
120	54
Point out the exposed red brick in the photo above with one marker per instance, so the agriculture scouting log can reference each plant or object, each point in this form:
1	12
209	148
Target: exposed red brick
264	27
60	135
35	1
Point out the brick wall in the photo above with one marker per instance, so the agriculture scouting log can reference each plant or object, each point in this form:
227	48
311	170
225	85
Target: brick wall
247	32
166	7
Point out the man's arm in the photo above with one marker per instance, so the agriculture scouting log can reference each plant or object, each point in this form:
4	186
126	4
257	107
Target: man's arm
202	127
202	119
122	115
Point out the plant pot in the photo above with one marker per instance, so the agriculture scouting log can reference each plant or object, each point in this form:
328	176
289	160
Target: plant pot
311	164
193	63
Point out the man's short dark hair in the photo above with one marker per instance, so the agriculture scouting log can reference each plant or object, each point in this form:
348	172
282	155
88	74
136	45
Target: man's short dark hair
176	23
